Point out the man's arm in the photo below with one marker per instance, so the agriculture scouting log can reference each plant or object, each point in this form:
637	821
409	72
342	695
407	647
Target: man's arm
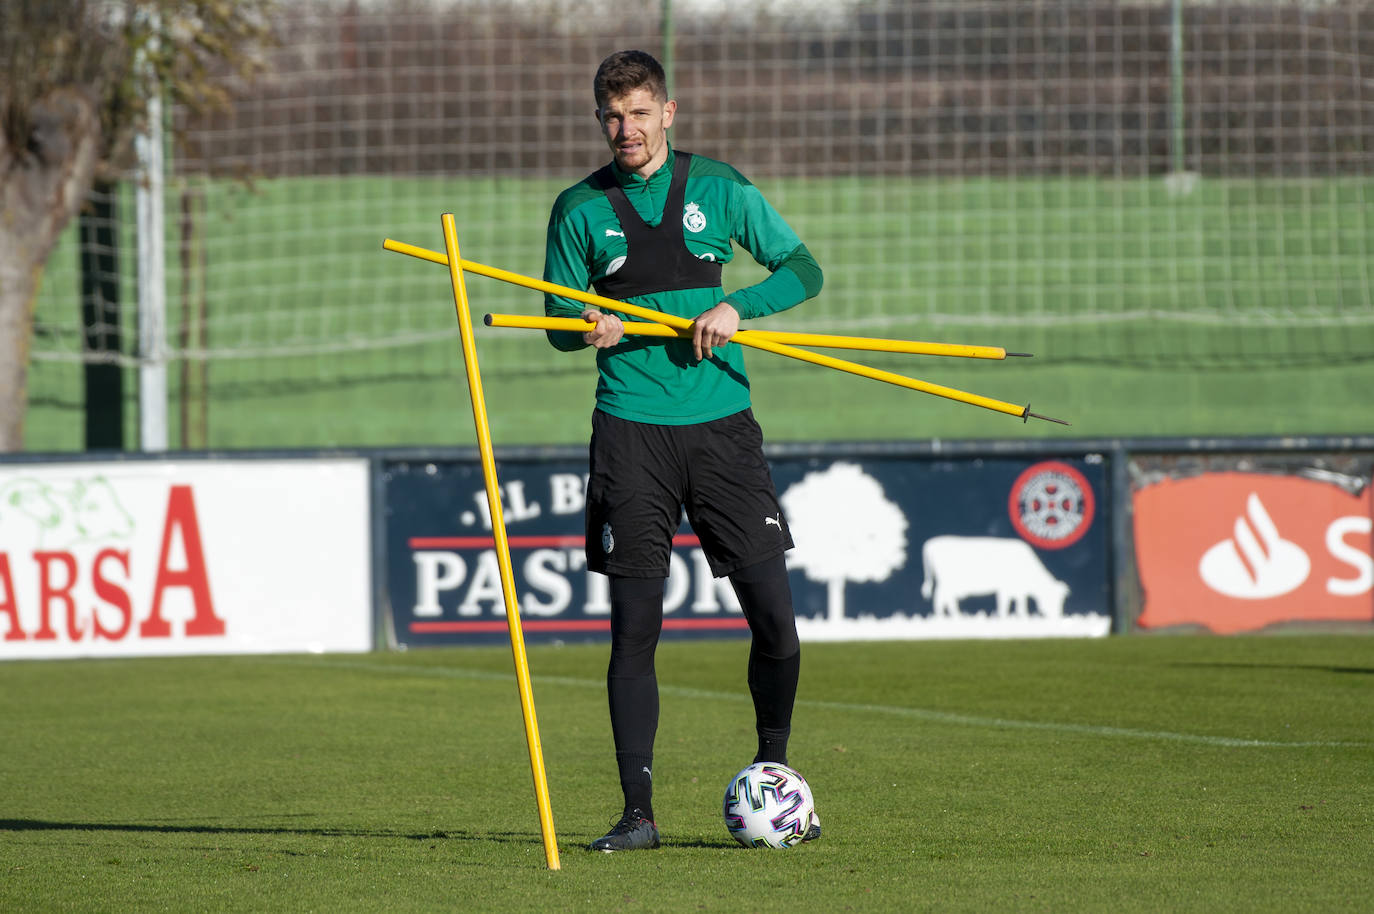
794	276
565	263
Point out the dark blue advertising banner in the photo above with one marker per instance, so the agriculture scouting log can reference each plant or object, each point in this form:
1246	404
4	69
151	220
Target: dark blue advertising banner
886	548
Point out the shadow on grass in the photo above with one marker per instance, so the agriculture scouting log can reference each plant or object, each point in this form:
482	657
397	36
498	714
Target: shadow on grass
169	828
699	844
1310	667
25	825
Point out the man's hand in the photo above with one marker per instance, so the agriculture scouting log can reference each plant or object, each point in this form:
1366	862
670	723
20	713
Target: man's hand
713	328
609	330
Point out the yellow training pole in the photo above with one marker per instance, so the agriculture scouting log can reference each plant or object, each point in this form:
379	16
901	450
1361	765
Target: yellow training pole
876	374
498	528
823	340
745	337
876	344
577	324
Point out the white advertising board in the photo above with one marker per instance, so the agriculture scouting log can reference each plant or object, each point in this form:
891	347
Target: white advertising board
194	557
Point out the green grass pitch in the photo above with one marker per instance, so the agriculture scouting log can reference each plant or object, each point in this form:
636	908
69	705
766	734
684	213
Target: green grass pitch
1129	774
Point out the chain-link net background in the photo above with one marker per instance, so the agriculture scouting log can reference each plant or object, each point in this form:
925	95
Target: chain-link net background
1171	205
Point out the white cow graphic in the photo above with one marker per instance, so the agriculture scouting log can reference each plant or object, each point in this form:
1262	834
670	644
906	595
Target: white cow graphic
970	566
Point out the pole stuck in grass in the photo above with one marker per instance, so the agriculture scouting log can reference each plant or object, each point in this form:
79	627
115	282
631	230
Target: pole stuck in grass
498	529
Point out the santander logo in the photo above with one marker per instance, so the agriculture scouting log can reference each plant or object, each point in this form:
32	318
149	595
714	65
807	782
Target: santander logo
1256	562
1234	551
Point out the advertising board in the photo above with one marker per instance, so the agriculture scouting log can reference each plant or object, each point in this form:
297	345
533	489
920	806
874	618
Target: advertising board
1235	547
184	557
886	547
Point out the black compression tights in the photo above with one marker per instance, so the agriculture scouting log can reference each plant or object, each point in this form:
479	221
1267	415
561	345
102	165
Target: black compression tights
632	685
775	654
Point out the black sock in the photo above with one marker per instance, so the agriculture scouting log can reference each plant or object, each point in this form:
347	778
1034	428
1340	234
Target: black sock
636	781
773	683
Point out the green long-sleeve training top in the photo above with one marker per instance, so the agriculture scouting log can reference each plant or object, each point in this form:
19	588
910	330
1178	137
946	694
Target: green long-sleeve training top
657	380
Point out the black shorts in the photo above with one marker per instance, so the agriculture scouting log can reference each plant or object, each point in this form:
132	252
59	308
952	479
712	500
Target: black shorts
643	475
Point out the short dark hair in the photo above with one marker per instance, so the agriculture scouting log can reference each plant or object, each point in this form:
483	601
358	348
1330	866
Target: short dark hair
626	71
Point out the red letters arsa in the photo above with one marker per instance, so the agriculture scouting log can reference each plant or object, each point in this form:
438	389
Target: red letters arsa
58	572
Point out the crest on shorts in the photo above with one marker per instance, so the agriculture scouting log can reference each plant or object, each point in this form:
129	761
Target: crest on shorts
607	539
693	219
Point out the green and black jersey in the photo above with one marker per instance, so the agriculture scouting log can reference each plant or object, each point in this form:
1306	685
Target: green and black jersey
650	379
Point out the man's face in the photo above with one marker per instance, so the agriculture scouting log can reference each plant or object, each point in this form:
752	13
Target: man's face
635	126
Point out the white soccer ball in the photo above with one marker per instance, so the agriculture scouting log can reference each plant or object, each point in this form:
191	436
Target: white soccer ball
768	805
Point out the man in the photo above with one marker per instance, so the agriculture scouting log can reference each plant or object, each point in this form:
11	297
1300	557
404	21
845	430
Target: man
673	426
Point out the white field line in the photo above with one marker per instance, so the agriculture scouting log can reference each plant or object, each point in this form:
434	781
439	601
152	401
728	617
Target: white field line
922	714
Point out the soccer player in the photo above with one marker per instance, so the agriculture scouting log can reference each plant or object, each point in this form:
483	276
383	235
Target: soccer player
673	428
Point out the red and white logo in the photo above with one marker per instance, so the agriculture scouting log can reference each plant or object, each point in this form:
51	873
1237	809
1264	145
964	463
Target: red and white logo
1256	562
1051	505
1239	551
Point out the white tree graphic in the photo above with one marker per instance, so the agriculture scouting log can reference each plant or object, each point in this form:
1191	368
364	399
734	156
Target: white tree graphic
845	529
